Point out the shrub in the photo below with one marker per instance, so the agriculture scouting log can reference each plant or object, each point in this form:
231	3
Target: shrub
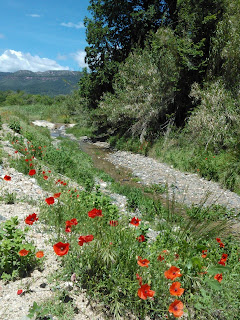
144	88
215	122
12	240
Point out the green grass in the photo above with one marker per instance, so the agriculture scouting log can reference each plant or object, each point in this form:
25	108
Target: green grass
54	113
80	131
222	166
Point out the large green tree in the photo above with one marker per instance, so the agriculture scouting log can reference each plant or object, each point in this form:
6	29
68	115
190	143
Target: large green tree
114	29
194	23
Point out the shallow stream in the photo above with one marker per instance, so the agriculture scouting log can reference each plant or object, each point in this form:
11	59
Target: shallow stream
99	153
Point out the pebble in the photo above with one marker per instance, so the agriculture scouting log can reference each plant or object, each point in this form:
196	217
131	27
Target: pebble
184	187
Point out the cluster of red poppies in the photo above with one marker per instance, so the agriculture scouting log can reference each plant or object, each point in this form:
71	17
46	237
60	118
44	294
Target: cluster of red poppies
222	261
176	307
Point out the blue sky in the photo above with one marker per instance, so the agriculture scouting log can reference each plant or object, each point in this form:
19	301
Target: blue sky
40	35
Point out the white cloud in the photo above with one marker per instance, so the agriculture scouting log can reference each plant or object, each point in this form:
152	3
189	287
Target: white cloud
61	57
33	15
2	36
11	61
79	56
78	25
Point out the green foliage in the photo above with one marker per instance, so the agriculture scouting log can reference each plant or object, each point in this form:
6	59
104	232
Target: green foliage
129	144
197	22
59	306
212	213
15	126
80	130
68	159
215	122
114	29
12	240
225	54
37	311
144	88
9	197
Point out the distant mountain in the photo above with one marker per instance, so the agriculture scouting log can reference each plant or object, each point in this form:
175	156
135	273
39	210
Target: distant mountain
52	82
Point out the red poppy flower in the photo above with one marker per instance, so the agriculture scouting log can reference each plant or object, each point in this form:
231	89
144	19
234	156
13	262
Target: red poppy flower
141	238
145	292
49	200
56	195
176	308
204	255
221	245
26	160
74	222
61	248
16	151
222	262
218	240
139	279
175	289
68	229
31	218
7	178
218	277
172	273
32	172
143	262
224	257
135	221
160	258
39	254
113	223
68	223
45	177
95	213
23	252
19	292
85	239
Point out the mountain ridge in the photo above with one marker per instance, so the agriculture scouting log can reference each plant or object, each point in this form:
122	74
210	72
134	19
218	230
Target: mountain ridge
51	82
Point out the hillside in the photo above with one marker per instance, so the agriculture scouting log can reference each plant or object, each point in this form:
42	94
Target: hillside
47	83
